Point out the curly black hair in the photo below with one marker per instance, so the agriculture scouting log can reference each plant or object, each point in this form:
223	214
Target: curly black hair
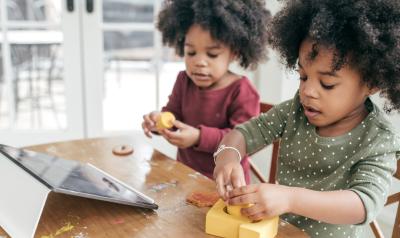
364	33
239	24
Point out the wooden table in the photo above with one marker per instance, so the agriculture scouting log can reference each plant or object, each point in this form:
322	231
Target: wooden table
167	181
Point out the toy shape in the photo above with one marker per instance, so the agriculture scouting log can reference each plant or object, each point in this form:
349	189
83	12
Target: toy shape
220	223
122	150
165	121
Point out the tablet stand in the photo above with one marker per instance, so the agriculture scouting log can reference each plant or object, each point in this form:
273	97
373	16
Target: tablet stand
22	200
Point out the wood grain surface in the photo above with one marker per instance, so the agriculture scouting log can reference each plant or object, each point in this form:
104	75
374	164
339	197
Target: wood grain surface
165	180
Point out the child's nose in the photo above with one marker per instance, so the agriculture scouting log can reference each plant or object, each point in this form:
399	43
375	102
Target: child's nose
201	62
308	89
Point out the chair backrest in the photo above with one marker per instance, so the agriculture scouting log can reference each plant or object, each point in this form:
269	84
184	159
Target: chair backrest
264	107
394	198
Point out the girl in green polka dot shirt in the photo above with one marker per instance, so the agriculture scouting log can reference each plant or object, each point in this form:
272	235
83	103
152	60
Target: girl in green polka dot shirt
337	151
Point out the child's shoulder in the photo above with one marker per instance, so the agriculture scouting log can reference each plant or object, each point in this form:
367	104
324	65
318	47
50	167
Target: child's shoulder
242	86
378	120
379	131
242	81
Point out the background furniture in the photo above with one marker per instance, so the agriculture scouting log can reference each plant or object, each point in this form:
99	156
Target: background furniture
394	198
264	107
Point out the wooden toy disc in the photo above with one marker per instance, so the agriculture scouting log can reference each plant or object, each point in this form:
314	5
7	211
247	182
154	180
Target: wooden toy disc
122	150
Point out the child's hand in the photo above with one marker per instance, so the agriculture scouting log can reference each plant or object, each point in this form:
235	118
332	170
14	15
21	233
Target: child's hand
269	200
149	123
184	137
228	174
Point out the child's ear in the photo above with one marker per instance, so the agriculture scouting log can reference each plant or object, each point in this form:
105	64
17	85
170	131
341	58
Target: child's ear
233	57
373	90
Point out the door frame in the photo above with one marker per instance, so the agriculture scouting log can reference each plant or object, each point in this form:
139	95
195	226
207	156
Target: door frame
72	76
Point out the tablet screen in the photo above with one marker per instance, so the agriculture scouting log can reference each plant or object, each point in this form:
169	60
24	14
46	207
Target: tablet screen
75	178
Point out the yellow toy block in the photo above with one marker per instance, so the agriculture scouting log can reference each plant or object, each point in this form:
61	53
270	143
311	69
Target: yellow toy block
165	121
220	223
266	228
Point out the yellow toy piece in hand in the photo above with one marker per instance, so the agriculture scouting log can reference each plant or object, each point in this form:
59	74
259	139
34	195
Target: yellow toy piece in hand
165	121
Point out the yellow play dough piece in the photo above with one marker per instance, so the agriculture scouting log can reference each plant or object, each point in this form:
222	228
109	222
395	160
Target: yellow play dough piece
165	121
220	222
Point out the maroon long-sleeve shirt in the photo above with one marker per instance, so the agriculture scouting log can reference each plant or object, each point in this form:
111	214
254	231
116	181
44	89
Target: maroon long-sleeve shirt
215	113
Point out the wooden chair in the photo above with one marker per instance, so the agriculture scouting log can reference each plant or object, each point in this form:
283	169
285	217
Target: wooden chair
264	107
394	198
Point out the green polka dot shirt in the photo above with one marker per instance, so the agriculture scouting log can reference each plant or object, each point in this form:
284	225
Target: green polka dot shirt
362	160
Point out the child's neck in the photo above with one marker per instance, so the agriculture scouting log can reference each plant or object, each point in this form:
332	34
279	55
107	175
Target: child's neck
345	124
227	79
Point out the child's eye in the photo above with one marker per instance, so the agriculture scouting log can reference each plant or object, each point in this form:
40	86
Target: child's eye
304	78
191	53
329	87
212	55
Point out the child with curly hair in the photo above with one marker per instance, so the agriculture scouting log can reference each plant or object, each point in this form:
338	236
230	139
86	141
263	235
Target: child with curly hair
337	151
208	99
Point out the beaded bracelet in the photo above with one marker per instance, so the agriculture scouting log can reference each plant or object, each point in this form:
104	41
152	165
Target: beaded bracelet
224	147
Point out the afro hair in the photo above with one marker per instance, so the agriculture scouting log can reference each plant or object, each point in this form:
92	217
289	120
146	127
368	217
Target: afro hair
239	24
364	34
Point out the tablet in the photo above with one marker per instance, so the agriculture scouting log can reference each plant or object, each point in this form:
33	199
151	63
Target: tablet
76	178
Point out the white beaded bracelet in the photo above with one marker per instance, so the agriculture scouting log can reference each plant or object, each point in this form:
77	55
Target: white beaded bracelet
224	147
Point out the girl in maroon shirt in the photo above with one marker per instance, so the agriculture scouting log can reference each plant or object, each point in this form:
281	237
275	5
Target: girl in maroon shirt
208	100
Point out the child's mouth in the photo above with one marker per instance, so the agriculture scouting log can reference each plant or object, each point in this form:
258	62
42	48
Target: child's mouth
200	76
310	112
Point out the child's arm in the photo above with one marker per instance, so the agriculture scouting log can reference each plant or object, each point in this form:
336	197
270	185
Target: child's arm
335	207
358	203
228	170
247	138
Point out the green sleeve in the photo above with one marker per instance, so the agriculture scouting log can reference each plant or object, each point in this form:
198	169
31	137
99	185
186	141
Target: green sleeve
371	180
266	128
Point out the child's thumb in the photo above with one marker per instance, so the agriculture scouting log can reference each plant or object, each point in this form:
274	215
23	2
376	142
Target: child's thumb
179	124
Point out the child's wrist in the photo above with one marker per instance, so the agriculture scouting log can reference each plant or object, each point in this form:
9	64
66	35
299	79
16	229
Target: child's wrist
228	151
291	194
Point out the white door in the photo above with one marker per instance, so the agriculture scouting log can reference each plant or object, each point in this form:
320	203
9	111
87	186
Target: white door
72	69
40	72
127	71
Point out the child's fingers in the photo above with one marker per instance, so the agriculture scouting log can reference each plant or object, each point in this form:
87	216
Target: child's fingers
258	212
148	133
171	135
146	130
237	178
153	116
175	142
252	188
220	185
242	199
253	210
257	217
148	120
178	124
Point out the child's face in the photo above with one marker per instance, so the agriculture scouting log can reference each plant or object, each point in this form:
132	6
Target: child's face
206	60
332	100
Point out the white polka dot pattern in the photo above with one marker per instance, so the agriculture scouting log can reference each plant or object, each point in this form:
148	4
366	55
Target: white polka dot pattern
362	160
